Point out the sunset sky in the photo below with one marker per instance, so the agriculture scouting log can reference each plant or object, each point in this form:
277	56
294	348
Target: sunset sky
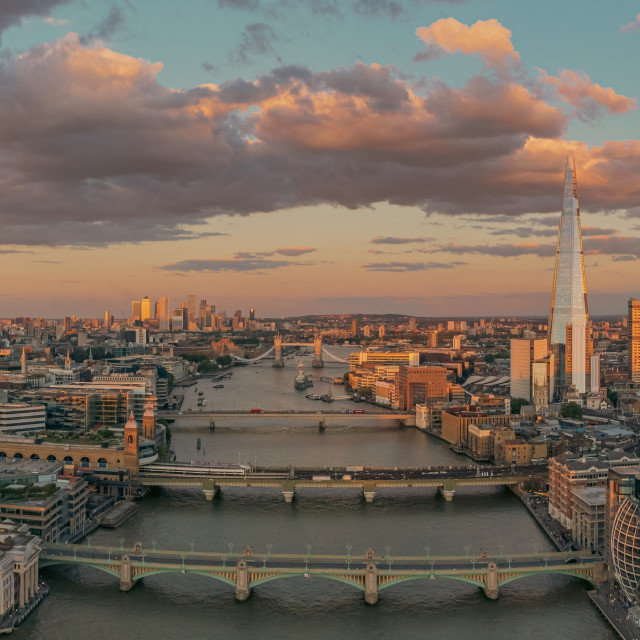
315	156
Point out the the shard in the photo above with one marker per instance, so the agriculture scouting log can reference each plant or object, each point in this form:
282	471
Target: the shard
569	330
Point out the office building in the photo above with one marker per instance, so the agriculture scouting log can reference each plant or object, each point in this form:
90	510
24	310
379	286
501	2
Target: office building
136	310
569	329
633	326
531	370
145	309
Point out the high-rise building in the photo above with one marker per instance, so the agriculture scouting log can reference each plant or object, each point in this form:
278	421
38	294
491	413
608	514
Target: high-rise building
530	370
145	309
634	339
569	315
179	320
163	314
136	310
191	308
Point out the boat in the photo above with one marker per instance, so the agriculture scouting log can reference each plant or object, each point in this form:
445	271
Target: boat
198	444
302	381
327	397
200	393
218	386
312	396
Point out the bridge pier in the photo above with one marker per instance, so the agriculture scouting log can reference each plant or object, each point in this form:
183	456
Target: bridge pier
317	352
212	426
371	584
243	591
210	494
369	491
491	588
321	425
288	490
126	579
448	489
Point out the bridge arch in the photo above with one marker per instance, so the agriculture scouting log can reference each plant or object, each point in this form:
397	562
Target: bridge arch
51	458
50	563
18	456
34	456
178	569
391	583
315	574
547	572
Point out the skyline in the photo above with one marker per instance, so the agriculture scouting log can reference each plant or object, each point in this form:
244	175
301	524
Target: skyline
413	164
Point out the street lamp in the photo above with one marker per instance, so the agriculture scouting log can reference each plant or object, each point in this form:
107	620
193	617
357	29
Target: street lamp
466	548
192	544
121	544
230	545
348	548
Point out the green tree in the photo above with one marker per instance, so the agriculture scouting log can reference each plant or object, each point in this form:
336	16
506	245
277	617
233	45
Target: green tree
489	358
366	392
517	404
571	410
224	361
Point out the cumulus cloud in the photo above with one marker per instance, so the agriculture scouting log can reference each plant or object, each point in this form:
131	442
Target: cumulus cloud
589	99
487	39
403	267
94	150
631	26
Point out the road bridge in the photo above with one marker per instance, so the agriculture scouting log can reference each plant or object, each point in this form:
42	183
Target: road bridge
366	479
368	572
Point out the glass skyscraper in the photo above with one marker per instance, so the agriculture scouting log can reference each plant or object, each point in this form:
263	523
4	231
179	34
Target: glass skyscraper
569	331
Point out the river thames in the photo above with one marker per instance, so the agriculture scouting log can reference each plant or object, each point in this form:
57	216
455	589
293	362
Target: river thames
86	603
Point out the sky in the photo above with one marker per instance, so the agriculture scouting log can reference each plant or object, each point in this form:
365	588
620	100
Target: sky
315	156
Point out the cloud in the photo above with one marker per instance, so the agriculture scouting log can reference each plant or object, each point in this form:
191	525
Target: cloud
210	68
107	27
392	240
631	26
378	8
596	245
257	40
13	12
294	251
234	264
55	22
245	5
486	38
404	267
96	151
590	100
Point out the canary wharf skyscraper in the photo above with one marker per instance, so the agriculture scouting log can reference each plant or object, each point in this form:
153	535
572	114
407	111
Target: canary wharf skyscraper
569	328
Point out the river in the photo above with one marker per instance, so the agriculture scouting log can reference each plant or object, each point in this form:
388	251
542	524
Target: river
86	603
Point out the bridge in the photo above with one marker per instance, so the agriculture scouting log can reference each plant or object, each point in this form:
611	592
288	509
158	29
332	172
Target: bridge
367	479
323	417
367	572
277	350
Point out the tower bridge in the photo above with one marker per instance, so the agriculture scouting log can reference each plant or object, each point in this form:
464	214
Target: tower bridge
278	347
368	572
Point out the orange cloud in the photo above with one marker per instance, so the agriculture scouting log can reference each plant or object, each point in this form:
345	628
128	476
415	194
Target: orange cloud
486	38
588	98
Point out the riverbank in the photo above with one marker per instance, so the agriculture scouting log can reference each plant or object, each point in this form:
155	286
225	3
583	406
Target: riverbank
607	601
10	622
538	507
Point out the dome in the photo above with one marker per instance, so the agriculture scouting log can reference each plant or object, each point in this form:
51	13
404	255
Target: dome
625	547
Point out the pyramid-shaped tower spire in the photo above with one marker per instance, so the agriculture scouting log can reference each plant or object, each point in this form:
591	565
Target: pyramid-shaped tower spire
569	337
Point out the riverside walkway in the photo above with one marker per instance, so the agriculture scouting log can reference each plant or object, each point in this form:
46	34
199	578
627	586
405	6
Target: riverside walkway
368	571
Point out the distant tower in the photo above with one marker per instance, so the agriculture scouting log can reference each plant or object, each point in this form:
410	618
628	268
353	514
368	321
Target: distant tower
67	361
633	325
277	351
149	424
569	327
317	352
23	363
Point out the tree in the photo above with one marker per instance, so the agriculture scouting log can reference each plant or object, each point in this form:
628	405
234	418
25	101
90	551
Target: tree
366	392
489	358
517	404
224	361
571	410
